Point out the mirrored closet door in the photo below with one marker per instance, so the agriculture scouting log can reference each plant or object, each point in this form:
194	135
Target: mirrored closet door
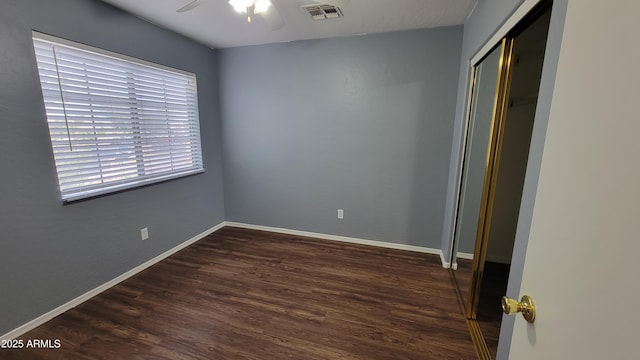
501	110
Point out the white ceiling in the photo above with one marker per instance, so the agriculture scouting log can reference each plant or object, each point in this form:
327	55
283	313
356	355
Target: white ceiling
215	23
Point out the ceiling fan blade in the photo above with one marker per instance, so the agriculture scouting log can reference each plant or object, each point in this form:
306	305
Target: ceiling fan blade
190	5
273	18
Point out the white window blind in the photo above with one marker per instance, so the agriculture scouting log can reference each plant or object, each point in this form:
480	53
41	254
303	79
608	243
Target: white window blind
115	122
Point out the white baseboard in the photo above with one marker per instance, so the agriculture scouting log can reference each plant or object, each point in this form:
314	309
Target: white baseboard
352	240
461	255
468	256
91	293
445	263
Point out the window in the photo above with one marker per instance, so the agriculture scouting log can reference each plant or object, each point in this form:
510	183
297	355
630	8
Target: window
115	122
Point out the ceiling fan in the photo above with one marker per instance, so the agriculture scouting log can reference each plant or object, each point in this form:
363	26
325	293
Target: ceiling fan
264	8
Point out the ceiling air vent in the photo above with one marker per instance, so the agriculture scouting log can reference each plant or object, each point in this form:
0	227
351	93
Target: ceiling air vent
322	12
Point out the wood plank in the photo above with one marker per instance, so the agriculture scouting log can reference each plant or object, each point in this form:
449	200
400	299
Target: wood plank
246	294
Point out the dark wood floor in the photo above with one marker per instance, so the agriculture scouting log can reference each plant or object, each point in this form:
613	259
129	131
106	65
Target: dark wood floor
242	294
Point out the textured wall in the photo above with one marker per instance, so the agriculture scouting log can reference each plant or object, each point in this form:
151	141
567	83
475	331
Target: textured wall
53	253
363	124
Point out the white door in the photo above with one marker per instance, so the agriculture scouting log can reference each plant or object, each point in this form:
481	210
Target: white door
582	263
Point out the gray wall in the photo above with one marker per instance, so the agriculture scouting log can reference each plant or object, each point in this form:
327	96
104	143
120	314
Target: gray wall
53	253
363	124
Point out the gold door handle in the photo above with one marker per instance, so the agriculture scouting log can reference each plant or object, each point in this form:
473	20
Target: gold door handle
526	306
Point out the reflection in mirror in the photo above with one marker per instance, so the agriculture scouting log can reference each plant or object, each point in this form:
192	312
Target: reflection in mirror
526	71
474	165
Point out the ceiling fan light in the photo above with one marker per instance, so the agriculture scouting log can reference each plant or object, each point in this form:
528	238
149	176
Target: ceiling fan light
241	5
262	5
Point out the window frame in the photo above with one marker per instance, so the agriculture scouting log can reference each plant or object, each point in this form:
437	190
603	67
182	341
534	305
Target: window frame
144	173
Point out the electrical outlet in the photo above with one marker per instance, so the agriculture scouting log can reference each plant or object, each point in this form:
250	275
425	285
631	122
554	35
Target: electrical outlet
144	233
340	214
